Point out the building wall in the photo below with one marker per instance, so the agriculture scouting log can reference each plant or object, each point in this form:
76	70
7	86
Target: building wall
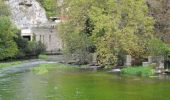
49	37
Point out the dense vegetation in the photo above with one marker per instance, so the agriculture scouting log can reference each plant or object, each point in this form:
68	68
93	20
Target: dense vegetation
8	47
51	7
109	28
138	70
28	49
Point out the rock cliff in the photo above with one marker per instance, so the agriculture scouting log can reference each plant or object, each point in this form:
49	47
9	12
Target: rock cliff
26	13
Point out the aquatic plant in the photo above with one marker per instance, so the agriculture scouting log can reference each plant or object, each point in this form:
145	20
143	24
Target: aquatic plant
45	68
138	70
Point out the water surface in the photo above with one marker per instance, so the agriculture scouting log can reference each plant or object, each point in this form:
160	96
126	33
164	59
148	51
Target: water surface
63	84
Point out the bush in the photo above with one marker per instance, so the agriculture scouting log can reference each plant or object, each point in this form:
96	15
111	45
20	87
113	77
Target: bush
51	7
158	47
138	70
22	45
8	47
77	47
34	48
28	48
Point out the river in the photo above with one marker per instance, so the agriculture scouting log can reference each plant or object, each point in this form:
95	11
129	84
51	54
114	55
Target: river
78	84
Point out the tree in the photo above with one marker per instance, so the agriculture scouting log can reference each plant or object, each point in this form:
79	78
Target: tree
8	47
112	26
51	6
159	9
4	11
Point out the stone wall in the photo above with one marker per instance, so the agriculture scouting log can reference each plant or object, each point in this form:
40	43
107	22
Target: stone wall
50	37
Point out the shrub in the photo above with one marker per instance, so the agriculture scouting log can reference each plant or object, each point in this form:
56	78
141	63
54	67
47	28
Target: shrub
50	6
22	45
34	48
28	49
8	47
138	70
158	47
77	47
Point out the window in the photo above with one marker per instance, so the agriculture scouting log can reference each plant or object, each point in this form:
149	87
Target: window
27	37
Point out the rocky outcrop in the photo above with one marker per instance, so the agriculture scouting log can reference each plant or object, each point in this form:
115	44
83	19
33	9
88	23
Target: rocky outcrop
26	13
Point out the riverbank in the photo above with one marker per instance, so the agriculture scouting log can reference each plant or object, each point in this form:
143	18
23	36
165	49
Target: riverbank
9	64
22	67
15	62
44	63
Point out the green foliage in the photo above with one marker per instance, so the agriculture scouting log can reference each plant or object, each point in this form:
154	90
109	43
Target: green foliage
28	48
8	47
157	47
22	45
111	26
138	70
78	45
51	7
35	48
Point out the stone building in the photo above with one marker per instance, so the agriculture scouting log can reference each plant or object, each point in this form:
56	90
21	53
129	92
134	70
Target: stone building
48	35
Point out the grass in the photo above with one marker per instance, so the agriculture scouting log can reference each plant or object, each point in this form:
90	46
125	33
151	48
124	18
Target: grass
9	64
138	70
45	57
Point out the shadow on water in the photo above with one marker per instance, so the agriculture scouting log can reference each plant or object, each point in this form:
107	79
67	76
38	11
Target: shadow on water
80	84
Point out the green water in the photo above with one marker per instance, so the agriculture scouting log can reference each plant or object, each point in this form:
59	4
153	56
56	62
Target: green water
81	85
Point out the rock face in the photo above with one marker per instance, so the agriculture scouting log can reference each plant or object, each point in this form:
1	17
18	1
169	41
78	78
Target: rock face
26	13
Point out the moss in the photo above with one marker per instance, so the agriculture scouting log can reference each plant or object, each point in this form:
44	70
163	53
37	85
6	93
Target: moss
138	70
